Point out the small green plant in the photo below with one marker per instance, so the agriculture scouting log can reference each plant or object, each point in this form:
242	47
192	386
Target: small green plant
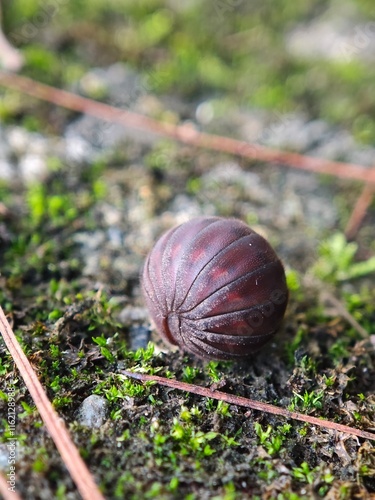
28	410
185	439
262	434
188	414
272	439
58	208
210	404
304	473
4	367
143	355
62	401
336	261
329	381
154	401
173	484
292	346
119	387
102	342
267	472
339	350
196	412
190	439
307	402
229	493
189	373
293	280
364	470
223	409
308	365
154	490
54	351
357	416
213	371
230	440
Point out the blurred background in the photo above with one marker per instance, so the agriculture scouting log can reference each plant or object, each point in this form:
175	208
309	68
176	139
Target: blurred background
314	58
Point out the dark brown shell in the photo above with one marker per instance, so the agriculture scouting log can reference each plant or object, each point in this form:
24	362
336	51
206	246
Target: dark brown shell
215	288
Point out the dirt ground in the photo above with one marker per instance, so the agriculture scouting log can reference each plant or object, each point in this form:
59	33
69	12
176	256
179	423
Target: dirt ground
73	295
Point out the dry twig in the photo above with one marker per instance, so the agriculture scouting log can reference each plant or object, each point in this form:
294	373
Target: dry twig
5	492
54	424
249	403
183	133
360	210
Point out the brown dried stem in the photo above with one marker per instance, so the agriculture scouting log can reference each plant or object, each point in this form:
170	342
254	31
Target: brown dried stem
5	492
249	403
54	424
360	210
183	133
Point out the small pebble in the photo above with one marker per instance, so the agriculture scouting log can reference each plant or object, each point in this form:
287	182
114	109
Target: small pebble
139	337
93	411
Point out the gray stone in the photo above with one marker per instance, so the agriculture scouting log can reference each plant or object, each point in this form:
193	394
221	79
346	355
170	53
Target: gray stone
33	167
6	170
338	34
120	84
294	132
91	245
139	337
93	411
122	88
77	148
6	450
231	174
131	314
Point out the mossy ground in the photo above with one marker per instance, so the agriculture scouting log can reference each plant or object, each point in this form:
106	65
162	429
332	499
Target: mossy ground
157	442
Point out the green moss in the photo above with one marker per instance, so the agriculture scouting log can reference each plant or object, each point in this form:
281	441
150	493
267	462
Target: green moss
336	260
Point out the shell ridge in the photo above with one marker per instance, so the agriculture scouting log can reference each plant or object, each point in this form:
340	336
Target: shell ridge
236	338
164	257
159	291
150	283
199	345
237	280
255	306
207	264
213	221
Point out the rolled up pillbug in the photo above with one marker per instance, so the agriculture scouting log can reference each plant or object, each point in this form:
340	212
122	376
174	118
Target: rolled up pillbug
215	288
